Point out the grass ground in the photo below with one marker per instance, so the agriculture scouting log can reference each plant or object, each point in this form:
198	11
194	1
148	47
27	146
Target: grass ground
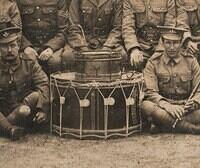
139	151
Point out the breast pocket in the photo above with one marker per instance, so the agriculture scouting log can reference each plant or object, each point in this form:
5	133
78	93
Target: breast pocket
27	15
185	84
164	83
139	12
27	10
49	17
159	13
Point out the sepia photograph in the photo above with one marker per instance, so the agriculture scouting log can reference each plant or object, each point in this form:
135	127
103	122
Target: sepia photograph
99	83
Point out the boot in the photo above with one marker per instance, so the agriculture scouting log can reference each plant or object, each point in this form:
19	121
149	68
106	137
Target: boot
8	129
16	133
162	117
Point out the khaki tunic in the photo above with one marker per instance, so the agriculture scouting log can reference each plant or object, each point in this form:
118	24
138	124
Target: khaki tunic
168	79
145	14
20	80
100	21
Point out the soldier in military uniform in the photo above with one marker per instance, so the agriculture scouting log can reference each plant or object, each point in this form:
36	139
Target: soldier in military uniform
45	25
24	88
170	78
192	22
101	23
139	31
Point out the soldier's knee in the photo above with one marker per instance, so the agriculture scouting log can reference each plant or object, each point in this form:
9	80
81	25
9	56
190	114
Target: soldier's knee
68	58
148	107
68	55
24	110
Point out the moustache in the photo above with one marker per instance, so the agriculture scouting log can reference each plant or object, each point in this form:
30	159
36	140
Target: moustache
10	55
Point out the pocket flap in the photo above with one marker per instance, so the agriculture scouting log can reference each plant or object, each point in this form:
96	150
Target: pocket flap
86	10
28	10
159	9
48	10
186	78
190	8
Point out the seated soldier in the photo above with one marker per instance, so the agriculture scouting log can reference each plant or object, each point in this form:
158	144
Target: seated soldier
192	22
24	88
101	23
139	31
170	79
45	26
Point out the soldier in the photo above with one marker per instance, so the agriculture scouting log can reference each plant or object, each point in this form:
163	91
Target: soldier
101	23
192	22
24	89
45	24
141	36
171	77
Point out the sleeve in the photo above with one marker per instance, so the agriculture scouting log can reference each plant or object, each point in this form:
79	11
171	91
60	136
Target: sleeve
151	84
75	34
170	18
24	41
196	79
15	15
129	27
114	37
58	41
41	85
183	19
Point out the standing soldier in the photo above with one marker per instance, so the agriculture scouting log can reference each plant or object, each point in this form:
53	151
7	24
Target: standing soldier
101	23
172	95
141	36
45	24
24	88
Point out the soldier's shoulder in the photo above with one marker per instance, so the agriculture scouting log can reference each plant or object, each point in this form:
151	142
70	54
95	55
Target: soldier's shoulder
156	56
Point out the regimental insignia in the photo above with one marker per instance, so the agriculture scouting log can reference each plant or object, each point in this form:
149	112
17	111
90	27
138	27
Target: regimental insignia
5	34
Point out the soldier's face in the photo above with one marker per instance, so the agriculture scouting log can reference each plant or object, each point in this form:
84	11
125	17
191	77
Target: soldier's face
172	47
9	51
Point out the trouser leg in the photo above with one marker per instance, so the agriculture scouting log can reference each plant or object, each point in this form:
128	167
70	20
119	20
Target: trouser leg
54	63
161	117
4	123
19	115
68	59
193	117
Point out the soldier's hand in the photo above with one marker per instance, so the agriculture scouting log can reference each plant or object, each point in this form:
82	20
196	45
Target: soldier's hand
191	105
31	52
176	111
136	58
193	47
46	54
40	117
